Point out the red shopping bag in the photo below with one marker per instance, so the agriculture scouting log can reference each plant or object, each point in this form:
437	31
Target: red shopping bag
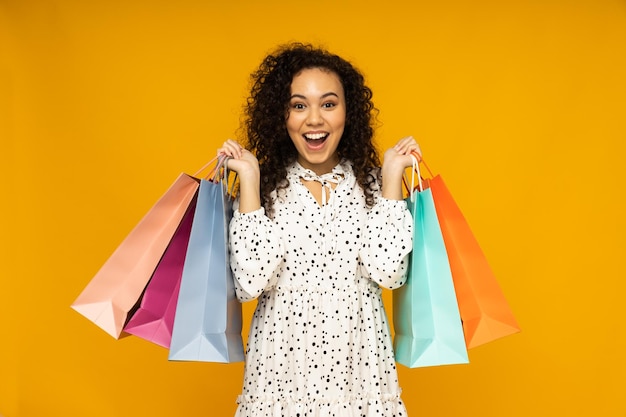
484	310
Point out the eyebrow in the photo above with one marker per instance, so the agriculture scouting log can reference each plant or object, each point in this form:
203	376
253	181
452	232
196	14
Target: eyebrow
323	95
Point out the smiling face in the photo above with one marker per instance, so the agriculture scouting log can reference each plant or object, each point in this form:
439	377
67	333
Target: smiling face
316	118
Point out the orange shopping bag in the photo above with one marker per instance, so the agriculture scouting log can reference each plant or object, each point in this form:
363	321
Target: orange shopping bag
485	313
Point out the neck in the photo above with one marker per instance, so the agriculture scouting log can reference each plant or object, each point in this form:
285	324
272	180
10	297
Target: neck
322	168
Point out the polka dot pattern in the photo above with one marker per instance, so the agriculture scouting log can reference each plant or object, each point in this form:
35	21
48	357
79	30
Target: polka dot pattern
319	343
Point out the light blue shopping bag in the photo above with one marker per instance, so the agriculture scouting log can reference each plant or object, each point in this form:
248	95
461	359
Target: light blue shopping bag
427	323
207	324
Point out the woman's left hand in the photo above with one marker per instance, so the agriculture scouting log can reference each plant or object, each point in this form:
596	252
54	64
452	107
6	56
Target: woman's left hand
400	154
396	160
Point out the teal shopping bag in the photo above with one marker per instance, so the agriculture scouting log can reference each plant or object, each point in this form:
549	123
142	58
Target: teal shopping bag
208	318
427	323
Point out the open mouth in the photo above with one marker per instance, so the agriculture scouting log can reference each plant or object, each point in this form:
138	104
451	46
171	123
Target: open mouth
315	139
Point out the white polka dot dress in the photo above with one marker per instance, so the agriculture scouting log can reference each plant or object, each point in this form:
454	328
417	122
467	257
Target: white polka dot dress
319	342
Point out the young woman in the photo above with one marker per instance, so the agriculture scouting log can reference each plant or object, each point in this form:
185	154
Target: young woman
319	228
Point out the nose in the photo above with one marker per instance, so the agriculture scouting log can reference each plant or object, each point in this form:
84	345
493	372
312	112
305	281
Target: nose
314	116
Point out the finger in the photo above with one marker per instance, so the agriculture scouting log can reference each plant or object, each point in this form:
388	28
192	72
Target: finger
411	147
406	145
407	149
232	148
417	151
226	151
402	143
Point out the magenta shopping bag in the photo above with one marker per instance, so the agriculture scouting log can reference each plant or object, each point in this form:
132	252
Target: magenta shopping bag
154	319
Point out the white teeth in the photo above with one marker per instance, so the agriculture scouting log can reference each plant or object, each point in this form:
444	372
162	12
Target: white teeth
316	136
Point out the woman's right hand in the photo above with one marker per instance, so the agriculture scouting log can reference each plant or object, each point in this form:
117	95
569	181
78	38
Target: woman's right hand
245	164
242	161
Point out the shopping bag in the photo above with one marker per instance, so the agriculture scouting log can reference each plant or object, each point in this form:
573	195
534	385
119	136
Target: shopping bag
207	323
485	313
116	288
154	319
427	323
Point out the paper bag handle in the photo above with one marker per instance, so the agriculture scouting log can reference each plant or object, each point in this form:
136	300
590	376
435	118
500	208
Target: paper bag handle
416	169
417	160
218	173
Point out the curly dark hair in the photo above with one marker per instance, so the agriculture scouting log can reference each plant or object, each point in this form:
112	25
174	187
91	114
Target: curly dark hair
268	104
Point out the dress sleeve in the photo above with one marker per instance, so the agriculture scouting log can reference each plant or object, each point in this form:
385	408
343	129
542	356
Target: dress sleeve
388	240
256	251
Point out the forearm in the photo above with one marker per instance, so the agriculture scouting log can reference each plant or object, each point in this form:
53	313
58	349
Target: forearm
392	182
249	193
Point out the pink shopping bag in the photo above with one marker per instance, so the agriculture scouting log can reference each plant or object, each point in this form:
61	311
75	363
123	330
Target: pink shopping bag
117	286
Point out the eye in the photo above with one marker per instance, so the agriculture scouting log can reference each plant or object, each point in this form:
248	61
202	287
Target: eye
297	106
328	105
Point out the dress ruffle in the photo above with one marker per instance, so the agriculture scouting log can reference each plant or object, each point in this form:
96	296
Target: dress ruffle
366	405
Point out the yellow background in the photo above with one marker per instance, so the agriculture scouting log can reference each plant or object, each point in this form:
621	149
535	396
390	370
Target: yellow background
520	104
